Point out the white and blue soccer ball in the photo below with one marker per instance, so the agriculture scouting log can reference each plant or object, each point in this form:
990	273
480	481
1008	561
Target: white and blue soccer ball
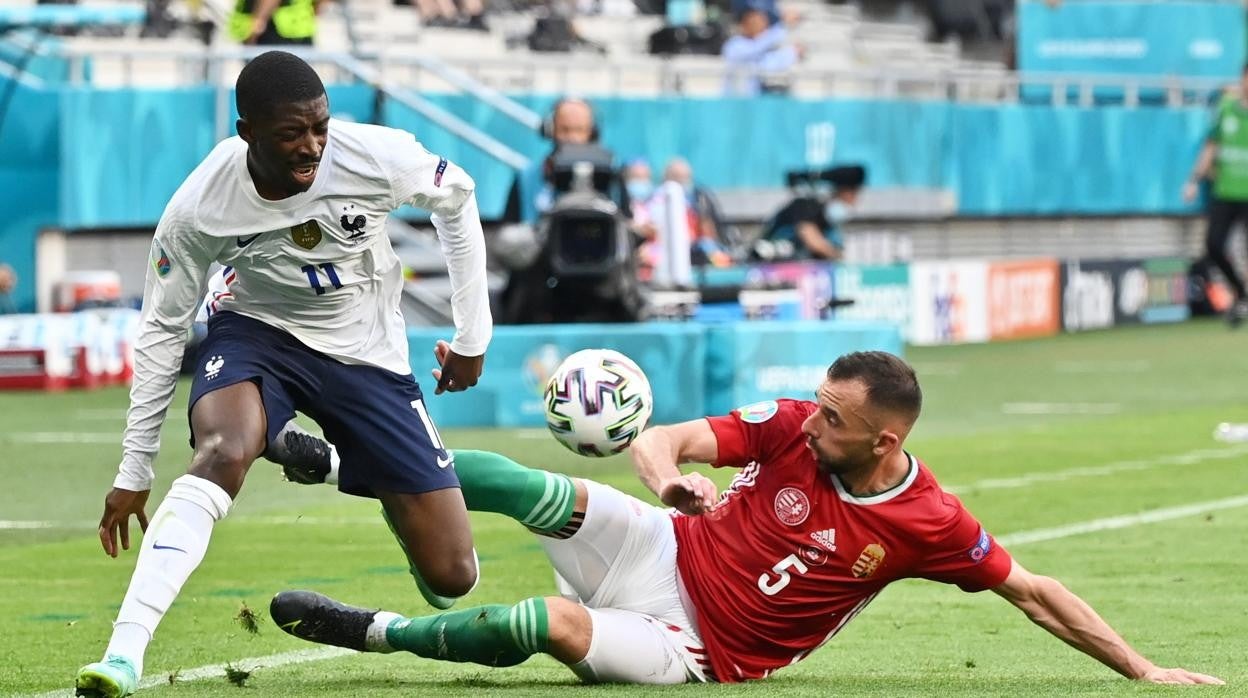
597	402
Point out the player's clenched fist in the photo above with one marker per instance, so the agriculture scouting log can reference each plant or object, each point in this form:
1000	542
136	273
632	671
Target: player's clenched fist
456	373
691	494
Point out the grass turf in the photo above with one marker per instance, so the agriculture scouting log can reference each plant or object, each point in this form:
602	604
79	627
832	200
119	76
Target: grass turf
1030	434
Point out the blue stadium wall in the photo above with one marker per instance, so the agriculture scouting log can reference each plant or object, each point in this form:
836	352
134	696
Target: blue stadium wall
86	158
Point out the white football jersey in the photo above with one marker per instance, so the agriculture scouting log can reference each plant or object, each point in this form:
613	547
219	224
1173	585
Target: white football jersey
318	265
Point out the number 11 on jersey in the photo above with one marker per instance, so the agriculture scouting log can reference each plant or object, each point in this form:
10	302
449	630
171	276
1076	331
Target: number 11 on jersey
314	279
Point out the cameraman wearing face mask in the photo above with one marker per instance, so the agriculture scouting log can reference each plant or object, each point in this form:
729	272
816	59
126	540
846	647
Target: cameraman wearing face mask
809	226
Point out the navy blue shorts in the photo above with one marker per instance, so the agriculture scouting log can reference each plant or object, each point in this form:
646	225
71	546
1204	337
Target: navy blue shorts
376	419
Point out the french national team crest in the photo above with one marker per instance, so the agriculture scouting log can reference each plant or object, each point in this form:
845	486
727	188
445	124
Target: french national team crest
306	235
792	506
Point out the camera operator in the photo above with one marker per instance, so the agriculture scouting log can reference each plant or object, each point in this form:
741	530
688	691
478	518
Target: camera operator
585	269
571	122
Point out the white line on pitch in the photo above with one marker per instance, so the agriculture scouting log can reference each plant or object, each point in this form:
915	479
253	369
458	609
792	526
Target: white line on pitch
212	671
1102	367
290	520
928	369
1010	539
101	413
1127	521
1188	458
1034	408
62	437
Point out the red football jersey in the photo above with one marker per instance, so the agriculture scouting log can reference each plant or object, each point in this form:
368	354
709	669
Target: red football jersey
787	556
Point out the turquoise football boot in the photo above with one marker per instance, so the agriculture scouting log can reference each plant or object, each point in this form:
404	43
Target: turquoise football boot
115	677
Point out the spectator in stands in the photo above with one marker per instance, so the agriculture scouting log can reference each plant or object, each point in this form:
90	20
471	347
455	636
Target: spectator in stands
760	54
1224	159
709	244
8	282
639	184
769	7
275	22
464	14
809	226
638	180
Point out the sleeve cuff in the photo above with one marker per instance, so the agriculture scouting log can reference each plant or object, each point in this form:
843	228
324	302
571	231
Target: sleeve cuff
469	348
136	473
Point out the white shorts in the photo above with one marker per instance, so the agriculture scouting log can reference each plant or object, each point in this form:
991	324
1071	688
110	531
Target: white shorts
621	565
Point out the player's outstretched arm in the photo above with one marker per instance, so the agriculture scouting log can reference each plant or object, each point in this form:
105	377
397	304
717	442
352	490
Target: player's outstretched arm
1058	610
175	284
657	454
447	192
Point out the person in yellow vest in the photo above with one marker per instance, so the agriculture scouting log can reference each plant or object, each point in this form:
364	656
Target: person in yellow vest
269	22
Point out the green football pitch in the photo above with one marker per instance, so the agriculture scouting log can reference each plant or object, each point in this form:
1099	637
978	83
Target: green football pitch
1090	456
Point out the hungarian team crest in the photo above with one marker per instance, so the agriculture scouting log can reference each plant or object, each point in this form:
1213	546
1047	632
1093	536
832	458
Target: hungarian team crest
868	561
792	506
306	235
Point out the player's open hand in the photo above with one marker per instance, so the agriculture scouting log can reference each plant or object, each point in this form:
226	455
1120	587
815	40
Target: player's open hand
1191	190
1179	676
119	505
457	372
691	494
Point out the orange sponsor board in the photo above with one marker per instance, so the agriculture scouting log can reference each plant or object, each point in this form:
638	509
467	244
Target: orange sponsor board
1024	299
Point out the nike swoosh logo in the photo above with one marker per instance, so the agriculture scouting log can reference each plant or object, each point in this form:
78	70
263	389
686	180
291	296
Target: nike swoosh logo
290	627
243	242
443	462
158	546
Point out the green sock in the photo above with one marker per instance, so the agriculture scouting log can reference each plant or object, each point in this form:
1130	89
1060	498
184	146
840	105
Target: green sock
540	500
494	635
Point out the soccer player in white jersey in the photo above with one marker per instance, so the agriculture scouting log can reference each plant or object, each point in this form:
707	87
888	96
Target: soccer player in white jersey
827	510
296	206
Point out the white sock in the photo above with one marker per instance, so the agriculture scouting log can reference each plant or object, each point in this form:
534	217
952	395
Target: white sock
172	548
129	640
375	636
332	477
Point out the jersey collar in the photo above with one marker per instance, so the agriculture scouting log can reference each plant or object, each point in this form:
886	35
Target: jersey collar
884	496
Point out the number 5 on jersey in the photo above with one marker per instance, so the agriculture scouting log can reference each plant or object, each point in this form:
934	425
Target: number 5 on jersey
770	586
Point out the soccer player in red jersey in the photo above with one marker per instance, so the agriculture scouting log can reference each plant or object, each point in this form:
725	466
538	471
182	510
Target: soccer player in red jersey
826	511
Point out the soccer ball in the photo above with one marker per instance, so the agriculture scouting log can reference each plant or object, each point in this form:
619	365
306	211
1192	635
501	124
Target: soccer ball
597	402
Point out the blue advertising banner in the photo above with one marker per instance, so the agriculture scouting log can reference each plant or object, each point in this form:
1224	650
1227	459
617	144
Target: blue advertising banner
125	152
753	361
29	168
1194	39
521	359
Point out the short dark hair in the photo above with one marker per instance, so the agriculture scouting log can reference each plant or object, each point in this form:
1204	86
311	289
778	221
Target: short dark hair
891	383
272	79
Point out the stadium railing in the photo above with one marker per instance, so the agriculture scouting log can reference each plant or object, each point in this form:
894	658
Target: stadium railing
489	78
